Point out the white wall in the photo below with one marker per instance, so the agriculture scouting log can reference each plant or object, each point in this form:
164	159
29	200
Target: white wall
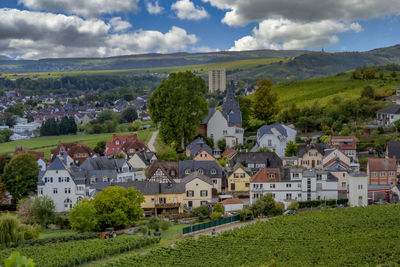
358	187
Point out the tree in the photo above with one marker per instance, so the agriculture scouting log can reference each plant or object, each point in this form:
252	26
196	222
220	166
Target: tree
292	149
216	215
294	205
246	109
179	104
43	209
168	154
10	228
24	210
245	214
135	126
357	75
263	149
369	74
5	135
129	115
20	175
3	193
222	144
83	216
393	74
218	208
100	147
265	103
202	212
117	206
49	127
368	92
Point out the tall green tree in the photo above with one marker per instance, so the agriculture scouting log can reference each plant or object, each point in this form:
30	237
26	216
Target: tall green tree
368	92
117	206
20	175
82	217
292	149
265	104
129	115
43	209
179	104
246	109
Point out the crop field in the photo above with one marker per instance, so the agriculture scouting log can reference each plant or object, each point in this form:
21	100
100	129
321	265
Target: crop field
46	143
366	236
323	89
74	253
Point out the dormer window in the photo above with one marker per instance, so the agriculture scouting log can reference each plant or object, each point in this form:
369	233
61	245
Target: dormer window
187	171
83	155
200	171
213	171
172	173
78	155
271	175
131	150
105	179
117	142
92	180
62	149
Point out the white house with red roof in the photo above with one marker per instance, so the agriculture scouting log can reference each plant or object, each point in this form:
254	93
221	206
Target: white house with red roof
127	144
232	204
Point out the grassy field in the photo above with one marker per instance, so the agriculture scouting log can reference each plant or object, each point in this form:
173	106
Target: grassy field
46	143
323	89
55	233
201	69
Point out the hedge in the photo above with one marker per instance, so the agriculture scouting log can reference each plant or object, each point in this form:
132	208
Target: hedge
317	203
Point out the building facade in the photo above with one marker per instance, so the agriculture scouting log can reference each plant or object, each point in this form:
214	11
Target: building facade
216	80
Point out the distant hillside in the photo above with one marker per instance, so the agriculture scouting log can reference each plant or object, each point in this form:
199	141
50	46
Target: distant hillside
145	61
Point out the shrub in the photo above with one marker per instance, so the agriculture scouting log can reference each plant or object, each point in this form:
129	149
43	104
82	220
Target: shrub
10	229
164	225
277	209
153	223
201	212
216	215
218	208
30	231
62	222
83	216
294	205
43	209
245	214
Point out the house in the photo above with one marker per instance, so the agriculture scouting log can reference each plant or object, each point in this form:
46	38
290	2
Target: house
232	204
127	144
199	150
198	190
348	144
239	180
142	159
290	162
253	161
382	171
163	171
274	137
388	115
287	185
122	170
224	124
24	128
229	153
311	156
393	152
211	169
159	198
358	189
39	156
74	153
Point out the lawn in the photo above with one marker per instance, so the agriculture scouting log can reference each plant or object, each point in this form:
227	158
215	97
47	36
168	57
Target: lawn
46	233
366	236
46	143
323	89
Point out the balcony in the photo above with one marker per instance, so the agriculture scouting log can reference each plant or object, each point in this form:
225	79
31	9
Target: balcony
167	205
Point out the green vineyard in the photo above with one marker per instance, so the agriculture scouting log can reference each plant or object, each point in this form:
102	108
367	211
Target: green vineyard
339	237
74	253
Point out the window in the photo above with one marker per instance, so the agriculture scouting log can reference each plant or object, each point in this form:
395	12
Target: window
55	191
236	175
78	155
190	204
271	175
152	200
203	193
45	179
105	179
224	132
215	181
51	179
83	155
200	171
59	179
383	174
203	203
175	200
117	142
391	173
319	177
213	171
162	200
247	185
190	193
299	195
374	174
79	198
40	191
299	185
272	186
261	185
187	171
269	142
288	196
343	184
288	185
67	190
131	150
67	179
360	186
242	175
92	180
344	174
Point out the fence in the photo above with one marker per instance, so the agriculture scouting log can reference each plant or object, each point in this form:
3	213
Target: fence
214	223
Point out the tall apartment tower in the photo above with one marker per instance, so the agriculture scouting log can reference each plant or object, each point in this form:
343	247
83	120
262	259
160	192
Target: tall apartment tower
216	81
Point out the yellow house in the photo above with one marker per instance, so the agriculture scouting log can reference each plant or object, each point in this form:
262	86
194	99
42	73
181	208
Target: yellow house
239	180
159	198
198	190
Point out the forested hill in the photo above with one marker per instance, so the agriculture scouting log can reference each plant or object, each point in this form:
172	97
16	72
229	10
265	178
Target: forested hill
145	61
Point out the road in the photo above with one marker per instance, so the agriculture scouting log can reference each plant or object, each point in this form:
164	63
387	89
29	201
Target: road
151	141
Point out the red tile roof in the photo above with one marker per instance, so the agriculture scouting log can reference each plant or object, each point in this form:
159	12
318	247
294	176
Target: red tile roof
343	142
118	142
231	201
37	155
382	164
230	152
262	176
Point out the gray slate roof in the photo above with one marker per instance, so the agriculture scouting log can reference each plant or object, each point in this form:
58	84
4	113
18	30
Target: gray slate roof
102	163
393	109
319	146
145	156
195	175
270	159
393	149
197	146
152	188
57	164
267	129
205	165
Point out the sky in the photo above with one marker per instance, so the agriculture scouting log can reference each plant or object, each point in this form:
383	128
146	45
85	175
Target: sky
34	29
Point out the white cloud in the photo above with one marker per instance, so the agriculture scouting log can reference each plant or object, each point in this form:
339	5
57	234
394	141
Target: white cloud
185	9
85	8
33	35
240	13
154	8
286	34
119	25
204	49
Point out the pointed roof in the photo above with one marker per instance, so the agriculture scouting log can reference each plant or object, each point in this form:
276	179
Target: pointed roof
57	164
195	175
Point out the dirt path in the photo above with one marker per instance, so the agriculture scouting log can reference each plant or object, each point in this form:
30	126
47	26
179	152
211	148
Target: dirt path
151	141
